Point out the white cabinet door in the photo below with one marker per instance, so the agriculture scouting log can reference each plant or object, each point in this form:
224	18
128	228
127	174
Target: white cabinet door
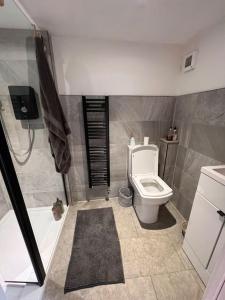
203	229
217	251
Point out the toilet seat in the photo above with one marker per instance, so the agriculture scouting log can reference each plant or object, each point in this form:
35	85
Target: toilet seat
151	186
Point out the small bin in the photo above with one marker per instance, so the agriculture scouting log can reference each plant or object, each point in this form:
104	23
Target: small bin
125	196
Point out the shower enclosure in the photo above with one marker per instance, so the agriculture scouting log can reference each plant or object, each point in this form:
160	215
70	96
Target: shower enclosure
29	183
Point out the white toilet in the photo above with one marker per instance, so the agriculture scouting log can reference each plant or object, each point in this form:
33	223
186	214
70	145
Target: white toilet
150	191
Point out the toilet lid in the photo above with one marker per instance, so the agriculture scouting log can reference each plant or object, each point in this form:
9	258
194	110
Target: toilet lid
145	159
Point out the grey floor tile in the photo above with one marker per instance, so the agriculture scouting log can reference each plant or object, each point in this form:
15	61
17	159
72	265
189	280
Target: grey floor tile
177	286
185	287
140	288
163	287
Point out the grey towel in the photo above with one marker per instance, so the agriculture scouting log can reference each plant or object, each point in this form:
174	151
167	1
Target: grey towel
53	113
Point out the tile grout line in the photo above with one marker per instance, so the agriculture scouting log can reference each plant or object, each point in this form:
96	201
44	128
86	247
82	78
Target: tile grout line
154	288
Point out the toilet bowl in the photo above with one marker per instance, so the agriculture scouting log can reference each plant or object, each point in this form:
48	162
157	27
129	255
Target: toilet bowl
150	191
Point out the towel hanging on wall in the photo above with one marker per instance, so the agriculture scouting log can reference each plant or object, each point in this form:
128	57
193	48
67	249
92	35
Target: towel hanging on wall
53	113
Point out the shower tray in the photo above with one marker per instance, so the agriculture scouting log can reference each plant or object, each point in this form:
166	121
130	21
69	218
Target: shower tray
14	258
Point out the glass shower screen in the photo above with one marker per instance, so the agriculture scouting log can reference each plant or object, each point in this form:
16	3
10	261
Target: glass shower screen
21	117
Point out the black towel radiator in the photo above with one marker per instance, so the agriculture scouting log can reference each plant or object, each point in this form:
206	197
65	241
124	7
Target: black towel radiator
96	125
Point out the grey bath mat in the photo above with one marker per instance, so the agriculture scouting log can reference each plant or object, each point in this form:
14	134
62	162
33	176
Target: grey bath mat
96	256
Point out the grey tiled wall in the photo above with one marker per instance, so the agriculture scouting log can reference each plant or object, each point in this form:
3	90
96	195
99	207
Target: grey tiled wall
4	201
128	116
200	119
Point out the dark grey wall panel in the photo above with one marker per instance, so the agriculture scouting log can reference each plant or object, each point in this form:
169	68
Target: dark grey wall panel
200	119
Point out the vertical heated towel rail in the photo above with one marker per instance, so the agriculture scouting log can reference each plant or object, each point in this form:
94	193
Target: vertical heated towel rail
96	125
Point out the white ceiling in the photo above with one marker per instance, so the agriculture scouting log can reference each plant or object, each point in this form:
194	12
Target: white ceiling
161	21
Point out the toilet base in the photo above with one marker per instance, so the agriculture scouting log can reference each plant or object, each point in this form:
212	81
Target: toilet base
147	216
146	213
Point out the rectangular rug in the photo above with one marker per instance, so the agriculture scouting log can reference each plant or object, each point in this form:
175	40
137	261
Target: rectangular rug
96	255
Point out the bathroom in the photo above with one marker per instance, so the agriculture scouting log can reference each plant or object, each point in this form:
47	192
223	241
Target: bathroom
138	68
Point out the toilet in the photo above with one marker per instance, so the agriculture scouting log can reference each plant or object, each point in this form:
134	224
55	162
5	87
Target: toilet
150	191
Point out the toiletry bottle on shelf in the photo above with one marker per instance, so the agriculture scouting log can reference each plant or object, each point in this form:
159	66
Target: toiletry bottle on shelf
170	134
132	141
146	140
174	138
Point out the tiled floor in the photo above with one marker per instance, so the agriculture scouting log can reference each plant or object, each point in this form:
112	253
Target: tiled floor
154	264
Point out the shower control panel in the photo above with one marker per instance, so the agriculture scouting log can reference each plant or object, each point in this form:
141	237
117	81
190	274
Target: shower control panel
23	102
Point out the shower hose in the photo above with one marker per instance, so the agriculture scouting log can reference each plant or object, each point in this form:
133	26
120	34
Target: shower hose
20	158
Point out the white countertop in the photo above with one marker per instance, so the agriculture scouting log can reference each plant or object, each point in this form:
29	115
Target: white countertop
215	172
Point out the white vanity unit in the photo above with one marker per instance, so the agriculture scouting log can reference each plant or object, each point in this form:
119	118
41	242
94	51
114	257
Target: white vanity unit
205	235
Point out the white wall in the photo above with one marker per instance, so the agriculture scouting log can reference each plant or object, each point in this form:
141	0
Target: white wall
97	67
209	73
